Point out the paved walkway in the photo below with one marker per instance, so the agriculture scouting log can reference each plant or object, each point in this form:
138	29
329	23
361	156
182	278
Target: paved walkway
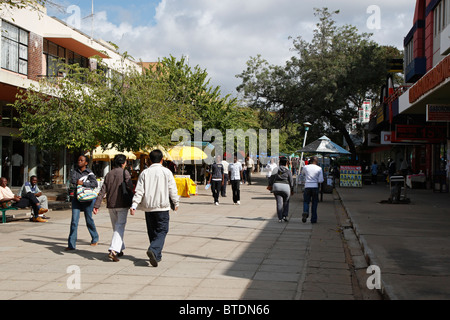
241	252
224	252
409	242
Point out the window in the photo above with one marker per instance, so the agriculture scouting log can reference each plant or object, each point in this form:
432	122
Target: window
14	48
54	56
57	55
409	52
441	16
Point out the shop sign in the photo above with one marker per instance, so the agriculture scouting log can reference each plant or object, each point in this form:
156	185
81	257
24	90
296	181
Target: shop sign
386	137
431	80
416	133
438	113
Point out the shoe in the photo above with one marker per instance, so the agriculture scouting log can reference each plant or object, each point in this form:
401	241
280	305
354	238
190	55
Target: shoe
216	203
285	219
280	221
152	258
39	219
304	217
120	254
42	211
113	256
238	203
93	244
69	249
45	217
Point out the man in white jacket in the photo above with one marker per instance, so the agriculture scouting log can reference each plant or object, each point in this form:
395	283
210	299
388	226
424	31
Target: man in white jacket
313	177
155	189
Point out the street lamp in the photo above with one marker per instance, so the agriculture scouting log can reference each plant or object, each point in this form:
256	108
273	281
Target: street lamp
306	125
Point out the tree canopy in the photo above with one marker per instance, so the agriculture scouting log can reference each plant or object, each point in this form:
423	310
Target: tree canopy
130	110
324	83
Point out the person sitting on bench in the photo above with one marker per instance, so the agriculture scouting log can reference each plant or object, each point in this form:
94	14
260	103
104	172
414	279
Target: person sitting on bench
32	187
8	199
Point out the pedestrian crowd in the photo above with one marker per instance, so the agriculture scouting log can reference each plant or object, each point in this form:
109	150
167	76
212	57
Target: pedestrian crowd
156	194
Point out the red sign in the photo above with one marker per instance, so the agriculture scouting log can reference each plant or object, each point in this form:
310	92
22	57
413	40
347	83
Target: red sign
416	133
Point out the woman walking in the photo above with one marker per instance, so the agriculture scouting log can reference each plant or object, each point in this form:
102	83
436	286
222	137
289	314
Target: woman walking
281	185
82	176
117	205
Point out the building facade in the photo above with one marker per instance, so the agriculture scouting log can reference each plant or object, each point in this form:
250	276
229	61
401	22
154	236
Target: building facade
412	124
31	45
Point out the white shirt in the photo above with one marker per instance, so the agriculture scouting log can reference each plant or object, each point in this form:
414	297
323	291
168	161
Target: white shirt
225	166
313	175
250	163
270	168
235	170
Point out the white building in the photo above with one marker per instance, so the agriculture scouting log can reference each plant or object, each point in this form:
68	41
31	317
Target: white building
31	42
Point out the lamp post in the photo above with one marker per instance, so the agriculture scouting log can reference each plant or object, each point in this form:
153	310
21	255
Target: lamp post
306	125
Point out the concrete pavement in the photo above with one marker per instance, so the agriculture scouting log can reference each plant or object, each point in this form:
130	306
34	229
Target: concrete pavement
224	252
409	242
230	252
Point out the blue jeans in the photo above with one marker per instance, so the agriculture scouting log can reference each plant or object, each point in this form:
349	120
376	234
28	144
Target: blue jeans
311	195
157	229
87	207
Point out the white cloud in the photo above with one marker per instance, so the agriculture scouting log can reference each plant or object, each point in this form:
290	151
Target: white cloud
222	35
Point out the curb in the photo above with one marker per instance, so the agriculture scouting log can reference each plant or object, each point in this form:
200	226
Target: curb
386	289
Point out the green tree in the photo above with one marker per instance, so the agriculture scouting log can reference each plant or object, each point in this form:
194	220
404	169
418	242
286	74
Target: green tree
62	112
198	100
86	108
20	4
324	83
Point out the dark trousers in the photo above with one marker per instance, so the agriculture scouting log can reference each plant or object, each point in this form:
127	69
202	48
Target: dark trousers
223	189
215	188
235	187
249	175
28	200
311	195
157	229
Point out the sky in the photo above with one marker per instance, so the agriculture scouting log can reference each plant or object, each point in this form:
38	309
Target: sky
222	35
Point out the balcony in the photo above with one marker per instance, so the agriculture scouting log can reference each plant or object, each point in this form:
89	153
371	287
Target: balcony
415	70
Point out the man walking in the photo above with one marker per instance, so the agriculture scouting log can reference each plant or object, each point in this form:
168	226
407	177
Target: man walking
313	176
235	174
216	179
155	188
250	164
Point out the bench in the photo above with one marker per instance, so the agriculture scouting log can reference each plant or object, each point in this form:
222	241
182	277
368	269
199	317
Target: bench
26	212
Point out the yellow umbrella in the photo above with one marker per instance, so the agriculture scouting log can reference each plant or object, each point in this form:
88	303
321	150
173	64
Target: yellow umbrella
147	150
186	153
107	155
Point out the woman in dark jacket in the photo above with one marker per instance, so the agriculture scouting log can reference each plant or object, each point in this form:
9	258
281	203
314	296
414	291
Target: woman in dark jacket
82	175
281	185
117	205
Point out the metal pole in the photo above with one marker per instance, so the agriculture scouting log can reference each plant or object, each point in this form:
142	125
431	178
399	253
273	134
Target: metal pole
307	125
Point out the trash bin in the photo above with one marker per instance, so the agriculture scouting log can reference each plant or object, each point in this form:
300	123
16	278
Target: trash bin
398	189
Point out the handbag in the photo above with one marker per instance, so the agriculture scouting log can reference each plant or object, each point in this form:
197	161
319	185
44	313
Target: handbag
126	192
85	194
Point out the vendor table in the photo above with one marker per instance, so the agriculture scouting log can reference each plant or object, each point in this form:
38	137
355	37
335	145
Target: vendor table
186	186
